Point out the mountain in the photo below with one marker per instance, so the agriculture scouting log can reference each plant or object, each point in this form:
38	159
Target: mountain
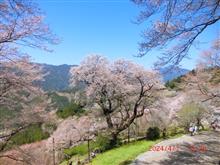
57	77
170	73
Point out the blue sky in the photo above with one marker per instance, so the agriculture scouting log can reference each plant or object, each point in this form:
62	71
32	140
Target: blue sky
98	26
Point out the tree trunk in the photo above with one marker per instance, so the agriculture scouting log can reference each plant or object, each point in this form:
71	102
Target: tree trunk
114	139
129	134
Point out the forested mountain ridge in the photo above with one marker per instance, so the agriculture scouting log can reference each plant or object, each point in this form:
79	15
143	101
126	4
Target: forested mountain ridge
57	76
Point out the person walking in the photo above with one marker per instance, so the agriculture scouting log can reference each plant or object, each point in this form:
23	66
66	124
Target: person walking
191	130
195	129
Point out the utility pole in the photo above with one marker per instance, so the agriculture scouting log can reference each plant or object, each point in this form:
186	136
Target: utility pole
54	163
88	140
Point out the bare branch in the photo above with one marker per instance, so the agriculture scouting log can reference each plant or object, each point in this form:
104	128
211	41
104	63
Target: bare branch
177	23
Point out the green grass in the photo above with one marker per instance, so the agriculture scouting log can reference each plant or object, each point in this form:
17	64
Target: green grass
81	149
122	155
125	153
31	134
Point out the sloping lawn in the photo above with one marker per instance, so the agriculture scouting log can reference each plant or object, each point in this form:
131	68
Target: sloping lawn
123	154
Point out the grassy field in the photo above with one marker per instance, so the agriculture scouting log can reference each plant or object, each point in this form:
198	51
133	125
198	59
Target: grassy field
123	154
120	155
126	153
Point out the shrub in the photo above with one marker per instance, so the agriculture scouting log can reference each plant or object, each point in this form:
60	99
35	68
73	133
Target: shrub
103	142
153	133
174	130
170	84
70	110
81	149
174	84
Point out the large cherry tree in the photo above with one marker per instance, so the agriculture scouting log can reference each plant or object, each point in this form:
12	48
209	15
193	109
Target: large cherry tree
122	90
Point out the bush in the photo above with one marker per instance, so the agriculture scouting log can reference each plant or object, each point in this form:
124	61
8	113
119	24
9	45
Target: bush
103	142
174	84
153	133
81	149
171	84
174	130
70	110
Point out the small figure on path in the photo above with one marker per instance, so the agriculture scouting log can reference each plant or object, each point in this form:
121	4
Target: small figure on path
191	130
195	130
93	155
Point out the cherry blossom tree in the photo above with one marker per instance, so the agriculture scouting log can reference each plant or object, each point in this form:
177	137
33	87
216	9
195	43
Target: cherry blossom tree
21	25
122	90
211	58
205	79
175	25
204	83
206	75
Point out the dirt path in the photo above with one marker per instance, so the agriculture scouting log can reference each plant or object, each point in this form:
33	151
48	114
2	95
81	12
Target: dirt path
203	149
